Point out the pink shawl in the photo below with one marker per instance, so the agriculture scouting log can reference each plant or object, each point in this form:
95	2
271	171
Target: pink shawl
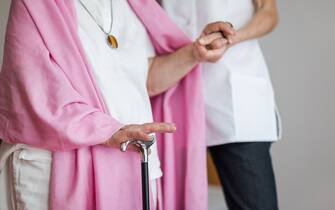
48	99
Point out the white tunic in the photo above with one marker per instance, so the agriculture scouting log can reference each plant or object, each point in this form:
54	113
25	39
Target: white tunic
239	98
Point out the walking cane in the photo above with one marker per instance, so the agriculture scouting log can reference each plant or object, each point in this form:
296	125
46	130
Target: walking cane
144	148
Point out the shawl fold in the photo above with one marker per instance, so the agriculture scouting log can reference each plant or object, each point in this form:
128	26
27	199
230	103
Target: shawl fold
48	99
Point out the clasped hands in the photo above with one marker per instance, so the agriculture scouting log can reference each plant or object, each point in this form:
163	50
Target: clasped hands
214	41
211	45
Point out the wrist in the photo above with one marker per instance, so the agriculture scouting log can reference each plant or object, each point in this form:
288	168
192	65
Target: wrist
194	53
193	59
240	36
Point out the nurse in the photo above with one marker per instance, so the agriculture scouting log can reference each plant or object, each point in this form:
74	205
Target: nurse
62	124
241	116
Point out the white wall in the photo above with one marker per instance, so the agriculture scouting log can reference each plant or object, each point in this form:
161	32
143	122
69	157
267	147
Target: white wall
301	56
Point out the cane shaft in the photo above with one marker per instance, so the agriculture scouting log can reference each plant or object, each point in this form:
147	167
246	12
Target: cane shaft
145	186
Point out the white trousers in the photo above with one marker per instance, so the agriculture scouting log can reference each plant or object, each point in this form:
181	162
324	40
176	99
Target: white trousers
25	179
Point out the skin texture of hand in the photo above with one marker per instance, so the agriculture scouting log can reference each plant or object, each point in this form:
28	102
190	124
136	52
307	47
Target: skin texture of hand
140	132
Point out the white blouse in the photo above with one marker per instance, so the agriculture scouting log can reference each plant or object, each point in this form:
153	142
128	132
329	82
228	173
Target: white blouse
121	74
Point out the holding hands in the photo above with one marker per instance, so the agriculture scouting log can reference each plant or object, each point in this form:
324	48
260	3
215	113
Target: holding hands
166	70
214	41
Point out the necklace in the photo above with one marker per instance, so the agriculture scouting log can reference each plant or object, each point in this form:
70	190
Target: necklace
111	39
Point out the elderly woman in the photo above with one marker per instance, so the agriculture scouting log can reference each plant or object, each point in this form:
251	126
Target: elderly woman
241	115
75	84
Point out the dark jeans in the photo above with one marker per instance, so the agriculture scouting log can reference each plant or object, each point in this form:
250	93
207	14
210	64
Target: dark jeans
246	173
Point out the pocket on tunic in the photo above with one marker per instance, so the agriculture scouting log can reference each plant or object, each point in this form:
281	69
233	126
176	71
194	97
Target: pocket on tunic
253	107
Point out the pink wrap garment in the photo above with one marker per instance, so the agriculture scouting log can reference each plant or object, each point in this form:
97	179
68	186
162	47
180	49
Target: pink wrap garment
48	99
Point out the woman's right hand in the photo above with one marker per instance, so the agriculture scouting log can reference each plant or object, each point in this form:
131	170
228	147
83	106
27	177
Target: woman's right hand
140	132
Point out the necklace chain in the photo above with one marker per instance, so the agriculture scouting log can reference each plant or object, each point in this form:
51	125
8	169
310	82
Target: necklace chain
112	18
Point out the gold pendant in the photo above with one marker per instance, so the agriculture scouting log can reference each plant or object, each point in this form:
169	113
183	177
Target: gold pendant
112	41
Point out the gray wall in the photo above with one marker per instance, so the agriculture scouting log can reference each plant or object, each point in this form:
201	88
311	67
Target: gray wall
4	7
301	56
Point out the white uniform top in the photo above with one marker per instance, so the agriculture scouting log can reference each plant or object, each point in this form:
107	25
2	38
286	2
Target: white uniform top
239	98
121	74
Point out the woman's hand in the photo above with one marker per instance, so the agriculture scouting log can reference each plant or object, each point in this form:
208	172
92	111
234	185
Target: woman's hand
214	41
210	48
165	71
140	132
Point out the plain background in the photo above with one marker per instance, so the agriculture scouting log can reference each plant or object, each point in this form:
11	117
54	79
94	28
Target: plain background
301	57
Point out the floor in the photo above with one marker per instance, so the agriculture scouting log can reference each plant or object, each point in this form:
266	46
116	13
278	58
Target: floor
215	199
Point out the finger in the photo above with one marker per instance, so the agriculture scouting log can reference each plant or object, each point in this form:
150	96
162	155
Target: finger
109	144
215	55
230	39
220	26
205	40
159	127
139	135
201	51
218	43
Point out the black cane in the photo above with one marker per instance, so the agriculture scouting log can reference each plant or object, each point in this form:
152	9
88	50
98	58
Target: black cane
145	186
144	148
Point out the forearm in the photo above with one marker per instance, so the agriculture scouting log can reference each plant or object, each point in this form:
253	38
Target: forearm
165	71
263	22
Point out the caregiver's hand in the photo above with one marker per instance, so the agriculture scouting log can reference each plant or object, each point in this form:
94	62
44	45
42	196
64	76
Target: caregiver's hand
130	132
166	70
215	39
225	28
210	48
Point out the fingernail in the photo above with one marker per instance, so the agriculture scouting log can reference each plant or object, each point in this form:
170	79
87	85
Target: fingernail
201	41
